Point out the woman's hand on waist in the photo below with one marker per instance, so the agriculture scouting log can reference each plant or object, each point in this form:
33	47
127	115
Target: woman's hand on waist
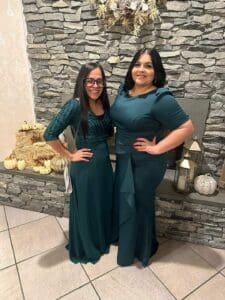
83	154
171	141
144	145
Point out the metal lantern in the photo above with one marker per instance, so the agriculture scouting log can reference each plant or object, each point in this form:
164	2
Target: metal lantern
195	150
184	174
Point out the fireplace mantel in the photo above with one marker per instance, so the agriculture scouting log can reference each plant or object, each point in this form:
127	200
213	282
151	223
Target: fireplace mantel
166	189
192	217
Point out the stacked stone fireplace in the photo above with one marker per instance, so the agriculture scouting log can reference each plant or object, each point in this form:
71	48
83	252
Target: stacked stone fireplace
62	35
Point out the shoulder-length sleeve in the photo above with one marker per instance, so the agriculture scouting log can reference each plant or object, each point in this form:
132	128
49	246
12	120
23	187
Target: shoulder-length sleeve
168	112
68	115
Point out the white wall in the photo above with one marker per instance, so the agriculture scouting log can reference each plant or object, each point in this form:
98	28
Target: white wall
16	96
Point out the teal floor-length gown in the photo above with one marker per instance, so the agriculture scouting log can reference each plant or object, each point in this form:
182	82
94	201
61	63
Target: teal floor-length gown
138	173
92	182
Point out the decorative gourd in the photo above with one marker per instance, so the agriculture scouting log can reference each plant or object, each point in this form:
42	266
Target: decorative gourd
25	126
47	164
205	184
10	163
21	164
58	164
44	171
36	168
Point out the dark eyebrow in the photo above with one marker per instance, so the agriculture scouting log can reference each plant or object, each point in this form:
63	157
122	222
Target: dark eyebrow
94	78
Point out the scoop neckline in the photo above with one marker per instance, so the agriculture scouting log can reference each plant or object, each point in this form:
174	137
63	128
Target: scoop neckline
97	116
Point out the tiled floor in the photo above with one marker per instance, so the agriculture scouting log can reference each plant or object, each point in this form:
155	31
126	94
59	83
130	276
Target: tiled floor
34	265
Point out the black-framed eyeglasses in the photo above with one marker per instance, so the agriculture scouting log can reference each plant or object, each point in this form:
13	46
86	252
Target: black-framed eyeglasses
91	82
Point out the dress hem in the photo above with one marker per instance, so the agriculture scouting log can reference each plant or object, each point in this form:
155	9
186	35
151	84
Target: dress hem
87	260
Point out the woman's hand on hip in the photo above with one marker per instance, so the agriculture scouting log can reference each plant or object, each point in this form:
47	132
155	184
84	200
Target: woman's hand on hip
83	154
144	145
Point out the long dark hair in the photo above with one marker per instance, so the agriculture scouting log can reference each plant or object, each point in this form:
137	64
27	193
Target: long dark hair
81	94
160	74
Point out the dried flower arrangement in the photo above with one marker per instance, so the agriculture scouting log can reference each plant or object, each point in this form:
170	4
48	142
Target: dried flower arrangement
131	14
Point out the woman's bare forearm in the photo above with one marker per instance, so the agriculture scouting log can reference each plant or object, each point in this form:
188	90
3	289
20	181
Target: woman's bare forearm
60	148
83	154
175	138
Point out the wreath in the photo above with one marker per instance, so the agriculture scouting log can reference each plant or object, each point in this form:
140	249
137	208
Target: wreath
131	14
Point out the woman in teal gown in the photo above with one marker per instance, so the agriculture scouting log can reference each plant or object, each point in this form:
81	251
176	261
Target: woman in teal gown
90	168
142	111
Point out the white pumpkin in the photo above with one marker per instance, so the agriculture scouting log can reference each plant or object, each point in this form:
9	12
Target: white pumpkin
36	168
21	164
58	164
25	126
44	171
205	184
10	163
47	164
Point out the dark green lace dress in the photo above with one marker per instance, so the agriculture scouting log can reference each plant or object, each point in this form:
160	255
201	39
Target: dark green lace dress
91	199
137	173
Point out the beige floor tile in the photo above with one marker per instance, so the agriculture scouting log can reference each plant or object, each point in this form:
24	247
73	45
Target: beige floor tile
3	223
6	253
35	237
64	223
9	284
131	283
223	271
180	268
216	257
17	216
85	293
52	275
106	263
211	290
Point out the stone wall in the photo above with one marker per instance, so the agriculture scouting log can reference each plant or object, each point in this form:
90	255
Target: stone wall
192	218
32	191
192	221
64	34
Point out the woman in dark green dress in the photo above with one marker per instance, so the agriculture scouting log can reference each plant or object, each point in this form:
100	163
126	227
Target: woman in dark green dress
142	110
90	168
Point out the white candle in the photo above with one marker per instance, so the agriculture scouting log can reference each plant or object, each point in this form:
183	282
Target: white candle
181	183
